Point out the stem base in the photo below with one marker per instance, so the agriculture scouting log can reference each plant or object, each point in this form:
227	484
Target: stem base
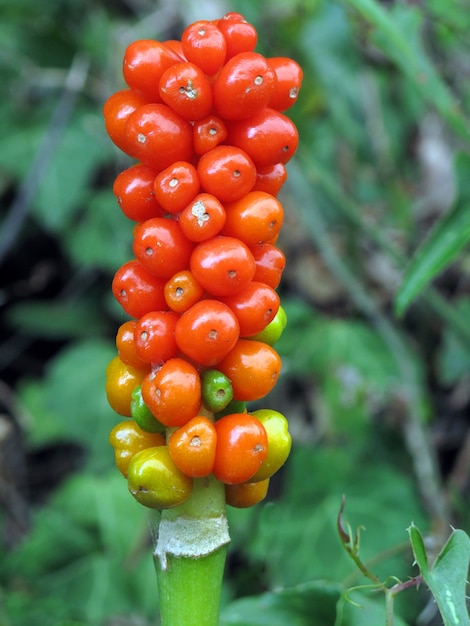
190	589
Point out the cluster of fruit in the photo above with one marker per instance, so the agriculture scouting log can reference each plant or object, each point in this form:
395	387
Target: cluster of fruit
204	118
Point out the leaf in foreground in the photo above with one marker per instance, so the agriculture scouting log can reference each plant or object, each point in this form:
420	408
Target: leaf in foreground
447	578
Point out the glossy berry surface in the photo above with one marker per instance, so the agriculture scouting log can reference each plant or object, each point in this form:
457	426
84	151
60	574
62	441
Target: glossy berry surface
244	495
203	118
226	172
161	247
253	367
242	446
144	63
217	390
134	191
116	111
255	218
279	442
193	447
158	136
181	291
142	415
127	439
121	380
155	481
254	306
268	137
244	86
222	265
173	392
204	44
207	332
203	218
137	290
176	186
185	88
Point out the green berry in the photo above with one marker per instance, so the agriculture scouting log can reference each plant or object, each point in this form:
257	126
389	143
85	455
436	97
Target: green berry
217	390
273	331
142	415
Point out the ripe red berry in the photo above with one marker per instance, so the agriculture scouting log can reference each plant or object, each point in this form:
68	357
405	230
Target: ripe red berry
203	44
116	111
137	290
268	137
134	191
226	172
158	136
185	88
144	62
244	86
161	247
222	265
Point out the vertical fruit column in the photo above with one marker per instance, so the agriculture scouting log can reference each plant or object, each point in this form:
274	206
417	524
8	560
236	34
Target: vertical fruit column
204	119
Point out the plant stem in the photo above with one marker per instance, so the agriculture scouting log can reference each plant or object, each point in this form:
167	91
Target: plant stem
389	613
190	557
190	590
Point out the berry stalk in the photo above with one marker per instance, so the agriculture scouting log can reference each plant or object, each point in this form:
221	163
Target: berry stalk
190	557
204	118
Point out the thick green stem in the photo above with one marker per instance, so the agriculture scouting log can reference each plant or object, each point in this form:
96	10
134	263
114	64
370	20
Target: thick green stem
190	557
190	589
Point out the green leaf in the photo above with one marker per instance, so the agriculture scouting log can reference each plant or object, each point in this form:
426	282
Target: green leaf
355	372
447	578
65	185
336	345
296	537
69	402
398	32
87	557
57	319
335	66
419	549
310	604
103	237
448	238
453	357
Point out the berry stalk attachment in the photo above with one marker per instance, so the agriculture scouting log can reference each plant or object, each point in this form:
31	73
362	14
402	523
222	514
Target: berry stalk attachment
204	119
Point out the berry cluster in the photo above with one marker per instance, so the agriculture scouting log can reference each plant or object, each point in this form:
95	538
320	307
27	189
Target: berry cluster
204	119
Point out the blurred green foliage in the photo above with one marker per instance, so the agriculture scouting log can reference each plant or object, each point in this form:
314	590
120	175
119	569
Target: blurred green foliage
377	351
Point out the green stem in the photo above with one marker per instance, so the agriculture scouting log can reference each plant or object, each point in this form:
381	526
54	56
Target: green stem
190	590
190	557
389	602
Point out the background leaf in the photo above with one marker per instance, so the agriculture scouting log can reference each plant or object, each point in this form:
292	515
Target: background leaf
360	609
399	31
102	237
295	538
64	412
448	238
63	319
81	149
78	560
384	110
453	358
311	604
